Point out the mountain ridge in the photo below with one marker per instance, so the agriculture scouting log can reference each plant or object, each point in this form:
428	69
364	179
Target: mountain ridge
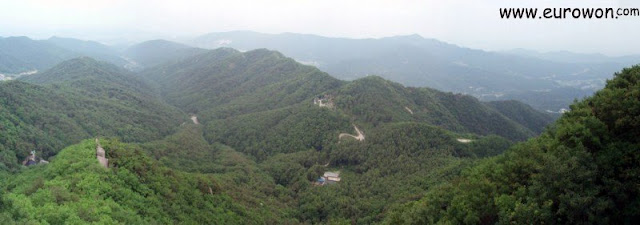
66	104
229	90
417	61
269	127
155	52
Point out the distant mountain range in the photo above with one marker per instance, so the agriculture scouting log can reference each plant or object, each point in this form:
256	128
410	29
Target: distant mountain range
222	136
570	57
20	55
416	61
154	52
229	88
547	81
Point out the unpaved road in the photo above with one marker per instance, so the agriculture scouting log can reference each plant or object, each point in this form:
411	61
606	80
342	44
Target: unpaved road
360	136
409	110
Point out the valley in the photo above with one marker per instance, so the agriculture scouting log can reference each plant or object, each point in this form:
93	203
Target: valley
15	76
222	136
246	112
255	132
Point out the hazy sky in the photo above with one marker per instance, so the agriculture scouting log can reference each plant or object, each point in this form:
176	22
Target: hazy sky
470	23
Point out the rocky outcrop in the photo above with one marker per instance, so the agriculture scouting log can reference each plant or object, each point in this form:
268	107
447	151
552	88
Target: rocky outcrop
101	155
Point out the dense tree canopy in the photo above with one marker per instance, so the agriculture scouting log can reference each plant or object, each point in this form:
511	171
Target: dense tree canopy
74	188
584	170
261	143
79	99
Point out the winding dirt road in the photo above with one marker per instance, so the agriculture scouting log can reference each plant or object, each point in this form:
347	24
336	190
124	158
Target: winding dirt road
360	136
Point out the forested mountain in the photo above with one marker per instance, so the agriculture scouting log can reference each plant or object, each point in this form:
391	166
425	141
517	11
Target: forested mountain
252	100
548	82
21	54
571	57
261	103
89	75
123	112
523	114
584	170
81	98
416	61
73	188
91	49
155	52
375	100
259	80
552	82
265	127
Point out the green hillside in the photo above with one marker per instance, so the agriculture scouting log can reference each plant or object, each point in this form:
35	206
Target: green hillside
97	79
388	170
91	49
261	103
375	100
523	114
262	141
21	54
239	97
548	82
583	170
155	52
75	189
85	99
260	106
241	82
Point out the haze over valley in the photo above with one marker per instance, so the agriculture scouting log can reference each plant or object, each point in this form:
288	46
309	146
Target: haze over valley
394	112
547	81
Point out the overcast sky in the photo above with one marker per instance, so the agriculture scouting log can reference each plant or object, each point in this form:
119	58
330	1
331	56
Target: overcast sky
469	23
